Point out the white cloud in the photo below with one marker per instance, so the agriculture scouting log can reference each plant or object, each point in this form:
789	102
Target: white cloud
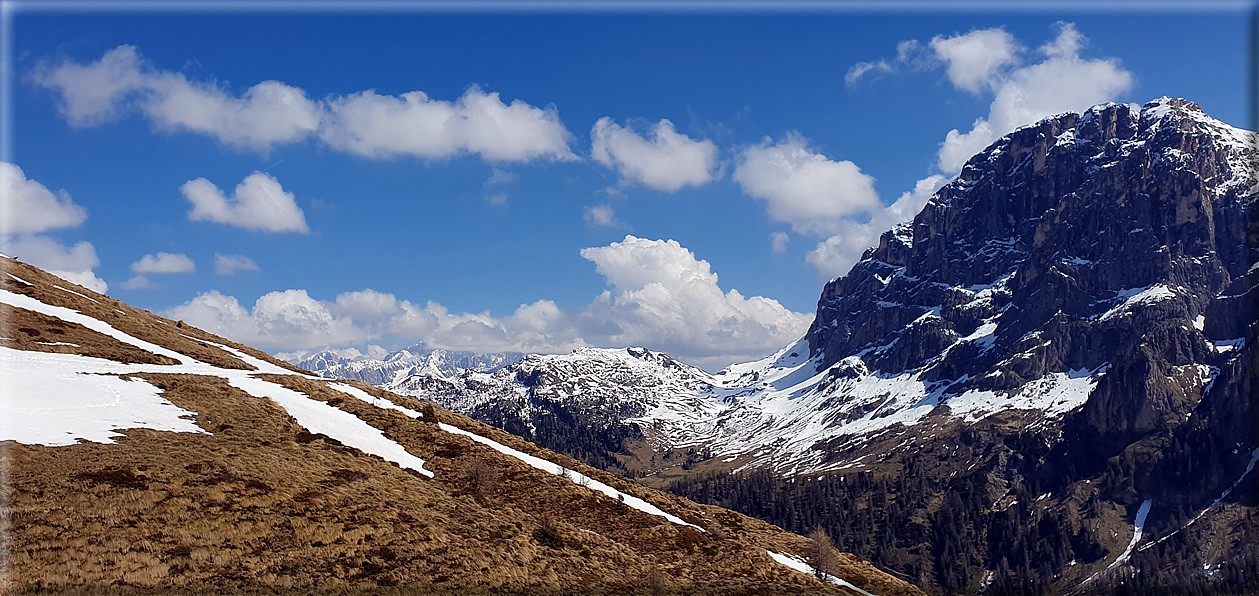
804	188
272	113
837	254
384	126
164	262
861	69
367	305
137	282
974	59
498	178
28	207
1061	82
909	53
288	319
86	279
74	263
602	216
90	94
258	203
269	113
778	241
266	114
229	264
668	161
958	147
664	298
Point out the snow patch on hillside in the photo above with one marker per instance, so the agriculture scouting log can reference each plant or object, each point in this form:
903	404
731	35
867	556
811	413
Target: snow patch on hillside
56	399
802	566
577	477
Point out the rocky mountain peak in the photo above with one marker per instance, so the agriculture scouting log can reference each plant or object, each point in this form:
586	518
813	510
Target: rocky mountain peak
1058	217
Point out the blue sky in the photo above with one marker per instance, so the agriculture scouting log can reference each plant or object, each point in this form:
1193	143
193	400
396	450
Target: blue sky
525	220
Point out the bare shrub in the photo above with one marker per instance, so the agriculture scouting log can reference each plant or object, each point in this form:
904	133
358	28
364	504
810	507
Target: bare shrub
480	477
689	537
548	533
823	557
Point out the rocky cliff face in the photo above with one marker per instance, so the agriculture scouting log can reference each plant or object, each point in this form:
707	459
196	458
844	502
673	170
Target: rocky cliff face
1113	241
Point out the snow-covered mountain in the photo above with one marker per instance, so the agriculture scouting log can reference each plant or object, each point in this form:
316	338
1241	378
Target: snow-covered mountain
1074	314
396	366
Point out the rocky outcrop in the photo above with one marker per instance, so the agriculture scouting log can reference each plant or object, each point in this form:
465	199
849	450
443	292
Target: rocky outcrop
1101	240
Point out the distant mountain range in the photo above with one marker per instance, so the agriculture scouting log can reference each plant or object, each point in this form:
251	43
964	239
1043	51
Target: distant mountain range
396	367
1043	383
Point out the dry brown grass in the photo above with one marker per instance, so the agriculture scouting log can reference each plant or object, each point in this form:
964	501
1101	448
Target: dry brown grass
29	330
263	504
133	321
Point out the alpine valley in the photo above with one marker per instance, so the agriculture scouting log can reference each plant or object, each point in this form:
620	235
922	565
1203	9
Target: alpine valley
1043	384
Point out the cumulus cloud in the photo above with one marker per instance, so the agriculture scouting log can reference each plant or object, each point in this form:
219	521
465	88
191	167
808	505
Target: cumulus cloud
288	319
602	216
664	298
258	203
28	207
383	126
266	114
992	61
91	94
273	113
835	255
1062	81
778	241
73	263
661	297
367	305
229	264
974	59
980	62
164	262
666	161
804	188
